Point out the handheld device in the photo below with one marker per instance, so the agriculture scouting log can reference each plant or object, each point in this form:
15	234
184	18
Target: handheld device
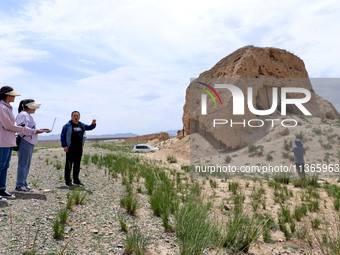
46	130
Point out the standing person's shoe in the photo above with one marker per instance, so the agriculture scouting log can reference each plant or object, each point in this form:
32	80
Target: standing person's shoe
23	190
2	199
4	193
78	184
68	184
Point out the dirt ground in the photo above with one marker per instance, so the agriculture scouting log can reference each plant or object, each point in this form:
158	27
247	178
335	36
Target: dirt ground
94	228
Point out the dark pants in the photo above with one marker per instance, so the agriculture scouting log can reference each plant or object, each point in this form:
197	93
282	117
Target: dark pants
73	158
5	158
300	168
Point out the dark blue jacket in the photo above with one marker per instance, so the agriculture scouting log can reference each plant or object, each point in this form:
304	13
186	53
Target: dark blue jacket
66	133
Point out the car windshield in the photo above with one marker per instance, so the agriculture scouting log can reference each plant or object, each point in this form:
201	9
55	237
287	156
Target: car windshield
144	146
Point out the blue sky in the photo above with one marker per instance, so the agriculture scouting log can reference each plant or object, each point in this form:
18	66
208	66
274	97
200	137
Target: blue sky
128	63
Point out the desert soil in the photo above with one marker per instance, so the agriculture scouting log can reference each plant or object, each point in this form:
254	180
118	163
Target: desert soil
94	228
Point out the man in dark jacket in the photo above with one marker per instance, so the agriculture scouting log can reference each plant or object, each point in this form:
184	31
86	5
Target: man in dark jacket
72	140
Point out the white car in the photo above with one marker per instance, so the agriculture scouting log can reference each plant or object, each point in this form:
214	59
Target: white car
144	148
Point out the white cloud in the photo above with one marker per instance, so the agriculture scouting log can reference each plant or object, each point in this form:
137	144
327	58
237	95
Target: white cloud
128	63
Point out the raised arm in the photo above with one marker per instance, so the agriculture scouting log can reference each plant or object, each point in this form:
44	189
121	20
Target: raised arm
92	126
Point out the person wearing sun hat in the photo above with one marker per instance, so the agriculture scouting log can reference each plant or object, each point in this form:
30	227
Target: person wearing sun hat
27	107
299	151
7	136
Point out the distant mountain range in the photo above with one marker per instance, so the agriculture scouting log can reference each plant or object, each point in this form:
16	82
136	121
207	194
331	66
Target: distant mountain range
57	136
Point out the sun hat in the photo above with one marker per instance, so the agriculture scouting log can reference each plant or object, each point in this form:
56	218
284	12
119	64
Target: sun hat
298	142
9	91
33	105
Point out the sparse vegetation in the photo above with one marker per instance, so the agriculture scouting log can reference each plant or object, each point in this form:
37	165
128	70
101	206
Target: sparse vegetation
171	159
136	242
35	182
300	135
287	144
269	156
315	223
130	202
326	157
255	150
194	228
58	230
186	168
213	183
78	197
86	158
326	146
288	155
299	212
251	148
164	200
70	201
193	208
123	225
317	131
63	214
95	159
241	231
233	187
58	165
336	204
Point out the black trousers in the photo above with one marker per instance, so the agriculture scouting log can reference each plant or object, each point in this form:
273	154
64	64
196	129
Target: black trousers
73	158
300	168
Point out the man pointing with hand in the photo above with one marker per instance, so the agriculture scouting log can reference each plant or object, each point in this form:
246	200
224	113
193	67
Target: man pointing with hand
72	140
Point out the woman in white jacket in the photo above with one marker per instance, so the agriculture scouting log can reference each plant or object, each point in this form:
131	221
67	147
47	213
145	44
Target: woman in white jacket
27	107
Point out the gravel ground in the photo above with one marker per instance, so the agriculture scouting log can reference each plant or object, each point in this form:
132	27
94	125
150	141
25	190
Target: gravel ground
92	228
